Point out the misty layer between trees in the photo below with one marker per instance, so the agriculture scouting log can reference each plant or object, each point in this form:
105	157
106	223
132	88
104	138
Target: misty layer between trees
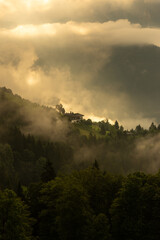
33	137
63	179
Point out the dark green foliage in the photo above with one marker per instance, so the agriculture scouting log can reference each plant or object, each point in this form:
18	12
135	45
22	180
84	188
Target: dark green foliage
32	199
116	125
48	172
139	129
152	128
7	171
101	188
101	227
15	222
102	126
85	205
89	122
20	191
73	212
60	108
96	165
70	209
24	159
136	212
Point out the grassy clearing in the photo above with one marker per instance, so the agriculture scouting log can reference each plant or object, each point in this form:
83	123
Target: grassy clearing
86	130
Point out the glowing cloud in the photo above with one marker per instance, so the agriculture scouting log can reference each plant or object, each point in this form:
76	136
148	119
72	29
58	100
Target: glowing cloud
120	32
33	79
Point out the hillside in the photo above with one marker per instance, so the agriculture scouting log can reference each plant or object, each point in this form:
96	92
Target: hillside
55	172
33	137
22	113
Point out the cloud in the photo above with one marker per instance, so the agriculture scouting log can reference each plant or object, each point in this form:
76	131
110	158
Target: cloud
22	12
108	70
120	32
45	123
147	152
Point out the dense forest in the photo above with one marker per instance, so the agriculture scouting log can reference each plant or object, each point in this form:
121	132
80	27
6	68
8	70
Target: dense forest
80	180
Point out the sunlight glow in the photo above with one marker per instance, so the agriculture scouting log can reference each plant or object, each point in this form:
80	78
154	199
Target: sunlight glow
32	80
29	30
95	118
31	3
46	1
111	121
79	30
25	30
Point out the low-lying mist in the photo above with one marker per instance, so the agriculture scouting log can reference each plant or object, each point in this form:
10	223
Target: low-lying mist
123	156
32	118
117	151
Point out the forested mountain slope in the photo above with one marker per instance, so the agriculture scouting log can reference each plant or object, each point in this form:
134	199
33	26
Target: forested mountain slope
34	137
67	180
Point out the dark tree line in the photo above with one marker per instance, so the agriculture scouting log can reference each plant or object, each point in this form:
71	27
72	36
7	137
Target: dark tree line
25	159
84	205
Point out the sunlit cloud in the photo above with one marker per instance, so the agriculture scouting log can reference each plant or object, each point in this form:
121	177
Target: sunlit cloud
55	51
120	32
95	118
31	30
51	63
33	79
35	3
19	12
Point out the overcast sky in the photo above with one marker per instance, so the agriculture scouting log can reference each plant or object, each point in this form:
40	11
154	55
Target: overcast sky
97	57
